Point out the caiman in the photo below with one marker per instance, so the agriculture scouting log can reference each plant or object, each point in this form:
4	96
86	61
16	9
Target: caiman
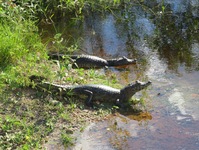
96	92
90	61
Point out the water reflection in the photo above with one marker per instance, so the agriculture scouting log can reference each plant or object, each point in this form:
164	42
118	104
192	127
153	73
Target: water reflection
187	91
177	100
111	134
144	27
177	33
157	68
165	39
119	132
103	38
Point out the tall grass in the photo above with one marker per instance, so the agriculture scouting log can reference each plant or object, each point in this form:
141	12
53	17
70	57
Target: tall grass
27	118
21	50
75	9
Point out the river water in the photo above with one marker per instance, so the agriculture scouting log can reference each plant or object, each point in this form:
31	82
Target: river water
165	40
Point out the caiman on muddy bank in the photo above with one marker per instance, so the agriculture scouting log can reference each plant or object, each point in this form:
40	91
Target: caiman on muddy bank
95	92
90	61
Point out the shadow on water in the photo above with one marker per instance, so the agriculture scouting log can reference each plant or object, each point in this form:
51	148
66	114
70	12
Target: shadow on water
164	36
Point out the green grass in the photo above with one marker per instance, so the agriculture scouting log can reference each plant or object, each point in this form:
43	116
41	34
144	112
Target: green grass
25	121
21	50
27	116
17	132
77	8
66	139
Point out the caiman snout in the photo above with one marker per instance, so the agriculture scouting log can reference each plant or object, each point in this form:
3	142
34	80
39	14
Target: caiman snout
141	85
128	60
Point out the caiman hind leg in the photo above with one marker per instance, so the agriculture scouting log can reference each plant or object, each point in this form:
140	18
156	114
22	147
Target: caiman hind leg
89	98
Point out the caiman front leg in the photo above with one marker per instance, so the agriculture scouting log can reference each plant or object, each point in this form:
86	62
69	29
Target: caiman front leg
118	103
89	98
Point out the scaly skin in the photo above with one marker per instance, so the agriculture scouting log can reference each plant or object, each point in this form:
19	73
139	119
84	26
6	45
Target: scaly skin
95	92
121	61
89	61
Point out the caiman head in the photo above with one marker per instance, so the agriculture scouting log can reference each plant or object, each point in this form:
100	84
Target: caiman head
122	61
126	61
128	91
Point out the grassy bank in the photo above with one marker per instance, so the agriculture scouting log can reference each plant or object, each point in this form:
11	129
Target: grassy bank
27	116
21	50
21	54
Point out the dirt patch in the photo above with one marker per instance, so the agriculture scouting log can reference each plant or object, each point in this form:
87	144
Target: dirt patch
79	120
34	119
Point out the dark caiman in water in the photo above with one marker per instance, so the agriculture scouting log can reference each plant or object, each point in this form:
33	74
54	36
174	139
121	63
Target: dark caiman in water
96	92
90	61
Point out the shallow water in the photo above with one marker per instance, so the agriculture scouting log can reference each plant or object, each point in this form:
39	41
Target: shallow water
167	48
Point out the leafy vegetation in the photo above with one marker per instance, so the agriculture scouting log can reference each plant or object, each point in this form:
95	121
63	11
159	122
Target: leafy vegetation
28	117
77	8
21	50
67	140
